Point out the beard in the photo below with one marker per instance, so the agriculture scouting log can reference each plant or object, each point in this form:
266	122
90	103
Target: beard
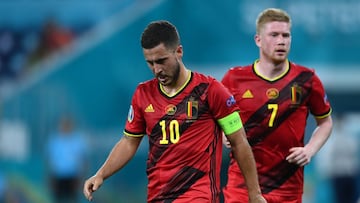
170	79
278	59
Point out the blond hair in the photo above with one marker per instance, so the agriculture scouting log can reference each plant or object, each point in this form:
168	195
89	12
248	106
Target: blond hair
270	15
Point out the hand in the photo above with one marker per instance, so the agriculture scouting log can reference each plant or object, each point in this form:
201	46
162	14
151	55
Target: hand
226	141
91	185
299	156
257	199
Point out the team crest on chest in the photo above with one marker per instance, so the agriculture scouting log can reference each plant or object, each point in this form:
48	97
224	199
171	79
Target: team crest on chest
272	93
296	93
192	108
170	109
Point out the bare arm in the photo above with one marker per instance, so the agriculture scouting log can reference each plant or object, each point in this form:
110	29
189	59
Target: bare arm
119	156
303	155
245	159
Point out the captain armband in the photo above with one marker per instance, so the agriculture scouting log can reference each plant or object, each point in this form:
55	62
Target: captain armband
231	123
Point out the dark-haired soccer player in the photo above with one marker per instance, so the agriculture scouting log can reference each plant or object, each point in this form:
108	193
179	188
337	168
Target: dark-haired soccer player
275	97
183	113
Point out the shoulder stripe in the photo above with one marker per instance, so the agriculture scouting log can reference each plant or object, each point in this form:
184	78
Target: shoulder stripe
133	135
324	115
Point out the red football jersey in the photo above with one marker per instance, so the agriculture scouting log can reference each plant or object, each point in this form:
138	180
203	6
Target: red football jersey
274	114
185	141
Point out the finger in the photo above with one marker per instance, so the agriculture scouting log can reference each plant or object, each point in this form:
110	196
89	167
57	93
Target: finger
290	160
293	154
292	149
290	157
88	191
94	187
305	161
85	190
89	198
301	162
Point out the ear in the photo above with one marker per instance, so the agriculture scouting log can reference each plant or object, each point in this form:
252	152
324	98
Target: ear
179	51
257	39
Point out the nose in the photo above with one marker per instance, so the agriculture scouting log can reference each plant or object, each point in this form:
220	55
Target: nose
157	68
281	43
281	40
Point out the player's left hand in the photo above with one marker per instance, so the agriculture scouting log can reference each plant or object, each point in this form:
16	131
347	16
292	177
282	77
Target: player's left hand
299	156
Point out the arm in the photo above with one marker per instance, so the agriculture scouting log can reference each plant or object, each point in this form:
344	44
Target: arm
119	156
245	159
303	155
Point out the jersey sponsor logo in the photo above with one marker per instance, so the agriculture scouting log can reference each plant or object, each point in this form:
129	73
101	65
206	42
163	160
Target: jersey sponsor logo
247	94
230	101
149	109
130	114
272	93
192	109
170	109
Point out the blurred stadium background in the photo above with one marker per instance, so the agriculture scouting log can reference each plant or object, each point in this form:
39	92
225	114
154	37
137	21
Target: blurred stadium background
94	62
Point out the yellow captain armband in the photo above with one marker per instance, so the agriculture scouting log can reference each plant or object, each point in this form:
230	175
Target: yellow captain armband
231	123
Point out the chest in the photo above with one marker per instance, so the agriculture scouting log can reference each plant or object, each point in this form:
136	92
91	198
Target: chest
254	89
187	107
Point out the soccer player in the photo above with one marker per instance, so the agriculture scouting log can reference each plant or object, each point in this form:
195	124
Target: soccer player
275	97
183	113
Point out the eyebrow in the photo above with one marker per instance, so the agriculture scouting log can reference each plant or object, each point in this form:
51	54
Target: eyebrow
158	61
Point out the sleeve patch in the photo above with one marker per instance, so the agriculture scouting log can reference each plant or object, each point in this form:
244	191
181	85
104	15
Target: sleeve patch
130	114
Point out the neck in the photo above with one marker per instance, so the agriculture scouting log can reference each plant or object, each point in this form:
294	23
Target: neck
271	70
183	78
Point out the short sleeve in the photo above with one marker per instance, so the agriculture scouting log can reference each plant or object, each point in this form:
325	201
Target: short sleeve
319	102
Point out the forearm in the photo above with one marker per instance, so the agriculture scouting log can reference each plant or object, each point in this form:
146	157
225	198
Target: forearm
319	136
119	156
245	160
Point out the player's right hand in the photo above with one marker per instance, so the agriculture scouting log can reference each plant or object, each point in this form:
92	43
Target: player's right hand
257	199
226	142
91	185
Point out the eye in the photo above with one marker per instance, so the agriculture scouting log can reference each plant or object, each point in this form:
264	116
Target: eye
286	35
160	61
150	63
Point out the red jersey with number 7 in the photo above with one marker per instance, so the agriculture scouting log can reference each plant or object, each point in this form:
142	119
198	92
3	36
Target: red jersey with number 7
274	114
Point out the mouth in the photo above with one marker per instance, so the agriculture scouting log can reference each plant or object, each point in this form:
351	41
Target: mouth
162	79
280	51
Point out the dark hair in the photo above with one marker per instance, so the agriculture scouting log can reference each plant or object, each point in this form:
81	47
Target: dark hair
158	32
